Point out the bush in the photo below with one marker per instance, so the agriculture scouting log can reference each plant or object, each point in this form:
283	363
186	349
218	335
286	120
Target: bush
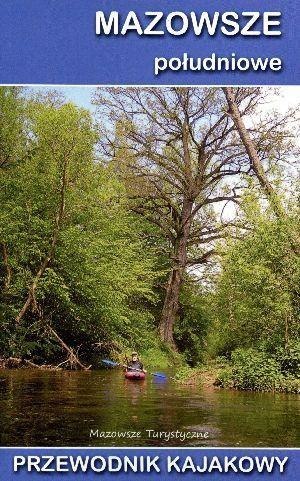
192	323
289	358
254	370
225	378
288	384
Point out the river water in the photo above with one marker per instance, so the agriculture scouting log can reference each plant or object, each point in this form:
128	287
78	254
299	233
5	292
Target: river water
43	408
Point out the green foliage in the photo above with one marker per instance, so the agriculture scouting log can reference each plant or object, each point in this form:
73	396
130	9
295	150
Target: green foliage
158	356
225	378
289	358
288	384
191	328
187	375
12	126
98	287
257	297
255	370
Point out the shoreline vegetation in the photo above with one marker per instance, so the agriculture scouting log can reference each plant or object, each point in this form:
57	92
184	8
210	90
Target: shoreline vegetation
221	374
249	370
165	221
204	377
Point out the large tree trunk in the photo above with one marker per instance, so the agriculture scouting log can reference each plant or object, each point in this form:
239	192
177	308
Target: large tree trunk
171	301
250	148
170	307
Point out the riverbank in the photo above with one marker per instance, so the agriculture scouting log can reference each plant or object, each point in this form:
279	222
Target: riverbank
158	356
211	377
202	376
248	370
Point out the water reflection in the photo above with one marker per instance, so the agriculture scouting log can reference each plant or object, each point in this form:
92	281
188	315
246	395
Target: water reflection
61	408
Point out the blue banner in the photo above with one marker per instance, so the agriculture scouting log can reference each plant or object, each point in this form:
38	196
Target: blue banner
149	42
156	464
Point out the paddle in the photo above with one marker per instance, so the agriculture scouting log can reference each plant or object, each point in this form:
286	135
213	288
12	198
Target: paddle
115	364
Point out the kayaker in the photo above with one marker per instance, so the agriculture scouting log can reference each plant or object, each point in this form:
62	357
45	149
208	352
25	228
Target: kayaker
135	363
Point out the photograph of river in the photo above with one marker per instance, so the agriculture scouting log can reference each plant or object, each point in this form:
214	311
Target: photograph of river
149	266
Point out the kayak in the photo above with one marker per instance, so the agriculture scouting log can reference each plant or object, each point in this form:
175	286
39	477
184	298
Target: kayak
135	375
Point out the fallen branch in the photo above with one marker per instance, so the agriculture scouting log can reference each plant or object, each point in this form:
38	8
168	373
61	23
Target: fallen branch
73	359
19	363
